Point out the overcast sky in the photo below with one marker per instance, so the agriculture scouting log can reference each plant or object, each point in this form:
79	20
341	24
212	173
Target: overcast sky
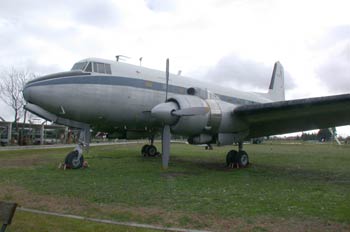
230	42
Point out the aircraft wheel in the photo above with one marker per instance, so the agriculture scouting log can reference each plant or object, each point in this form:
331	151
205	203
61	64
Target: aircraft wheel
231	157
242	159
73	161
144	150
152	151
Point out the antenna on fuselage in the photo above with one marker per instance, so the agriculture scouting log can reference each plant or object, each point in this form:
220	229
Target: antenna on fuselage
140	59
120	57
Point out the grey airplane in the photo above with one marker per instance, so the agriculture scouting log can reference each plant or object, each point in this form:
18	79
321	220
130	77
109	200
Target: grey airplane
133	102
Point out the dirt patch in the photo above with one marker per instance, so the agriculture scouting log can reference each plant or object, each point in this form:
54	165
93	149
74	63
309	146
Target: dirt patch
156	216
25	160
22	163
171	175
208	165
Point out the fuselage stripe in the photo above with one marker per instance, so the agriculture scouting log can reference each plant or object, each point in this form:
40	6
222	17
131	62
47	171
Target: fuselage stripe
126	81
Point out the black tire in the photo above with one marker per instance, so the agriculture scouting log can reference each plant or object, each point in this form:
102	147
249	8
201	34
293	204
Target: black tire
152	151
231	157
144	150
72	160
242	159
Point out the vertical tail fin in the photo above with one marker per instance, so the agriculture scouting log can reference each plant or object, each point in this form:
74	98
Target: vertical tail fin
276	89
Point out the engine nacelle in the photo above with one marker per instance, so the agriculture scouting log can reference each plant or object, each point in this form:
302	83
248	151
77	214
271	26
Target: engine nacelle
201	139
192	124
195	117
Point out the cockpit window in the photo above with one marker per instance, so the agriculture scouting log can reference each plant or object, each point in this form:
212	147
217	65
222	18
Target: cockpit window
102	68
79	66
88	68
108	68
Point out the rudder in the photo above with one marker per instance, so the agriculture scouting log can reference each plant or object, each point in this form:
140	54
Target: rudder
276	89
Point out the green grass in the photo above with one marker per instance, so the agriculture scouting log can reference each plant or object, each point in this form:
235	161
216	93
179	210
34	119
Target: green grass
28	222
305	184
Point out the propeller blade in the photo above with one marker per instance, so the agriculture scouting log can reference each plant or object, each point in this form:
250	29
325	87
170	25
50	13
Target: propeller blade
167	79
191	111
166	135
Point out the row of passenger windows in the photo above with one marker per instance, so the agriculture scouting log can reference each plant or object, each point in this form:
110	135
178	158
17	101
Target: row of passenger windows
93	67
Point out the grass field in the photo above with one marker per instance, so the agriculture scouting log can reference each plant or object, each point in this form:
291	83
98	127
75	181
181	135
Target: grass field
286	188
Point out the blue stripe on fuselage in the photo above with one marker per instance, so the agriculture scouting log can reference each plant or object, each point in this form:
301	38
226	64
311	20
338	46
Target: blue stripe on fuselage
126	81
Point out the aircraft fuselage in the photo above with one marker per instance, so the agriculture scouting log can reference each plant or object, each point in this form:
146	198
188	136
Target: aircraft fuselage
121	99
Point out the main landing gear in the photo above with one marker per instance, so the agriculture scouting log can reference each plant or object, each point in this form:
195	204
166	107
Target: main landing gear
238	159
149	150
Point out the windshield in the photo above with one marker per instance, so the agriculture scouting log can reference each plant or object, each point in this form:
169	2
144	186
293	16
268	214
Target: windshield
79	66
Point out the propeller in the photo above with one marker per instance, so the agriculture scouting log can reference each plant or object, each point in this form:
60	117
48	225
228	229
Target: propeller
168	113
167	79
166	135
190	111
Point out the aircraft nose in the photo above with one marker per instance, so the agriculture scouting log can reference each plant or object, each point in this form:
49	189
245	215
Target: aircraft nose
27	93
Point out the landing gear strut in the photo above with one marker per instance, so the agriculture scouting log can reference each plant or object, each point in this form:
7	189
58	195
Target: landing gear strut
149	150
238	159
75	158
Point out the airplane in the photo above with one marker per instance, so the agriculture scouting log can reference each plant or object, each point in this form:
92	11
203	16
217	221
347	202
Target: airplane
135	101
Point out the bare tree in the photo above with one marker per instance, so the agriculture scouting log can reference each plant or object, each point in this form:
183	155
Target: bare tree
12	82
11	85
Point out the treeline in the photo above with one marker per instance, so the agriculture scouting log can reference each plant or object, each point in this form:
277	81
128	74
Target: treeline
322	135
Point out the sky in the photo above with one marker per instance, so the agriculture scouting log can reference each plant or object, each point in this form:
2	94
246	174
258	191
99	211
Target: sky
230	42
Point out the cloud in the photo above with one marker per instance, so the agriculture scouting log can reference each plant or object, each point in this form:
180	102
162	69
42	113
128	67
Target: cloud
334	71
335	35
98	14
60	32
244	74
161	5
333	52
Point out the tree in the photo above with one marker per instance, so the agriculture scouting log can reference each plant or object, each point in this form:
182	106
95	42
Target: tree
306	136
11	85
324	135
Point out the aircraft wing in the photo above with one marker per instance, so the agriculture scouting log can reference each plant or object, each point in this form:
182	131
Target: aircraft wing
295	115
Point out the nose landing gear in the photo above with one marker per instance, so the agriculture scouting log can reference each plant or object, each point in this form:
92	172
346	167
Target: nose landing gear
75	158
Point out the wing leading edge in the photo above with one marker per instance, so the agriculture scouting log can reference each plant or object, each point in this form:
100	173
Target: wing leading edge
295	115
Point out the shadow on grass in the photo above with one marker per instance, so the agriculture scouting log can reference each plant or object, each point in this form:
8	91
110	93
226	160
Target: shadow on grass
302	173
102	157
268	171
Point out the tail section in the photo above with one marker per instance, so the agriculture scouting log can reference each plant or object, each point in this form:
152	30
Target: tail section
276	89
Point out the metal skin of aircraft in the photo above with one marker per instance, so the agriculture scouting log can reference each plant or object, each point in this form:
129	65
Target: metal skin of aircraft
109	96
